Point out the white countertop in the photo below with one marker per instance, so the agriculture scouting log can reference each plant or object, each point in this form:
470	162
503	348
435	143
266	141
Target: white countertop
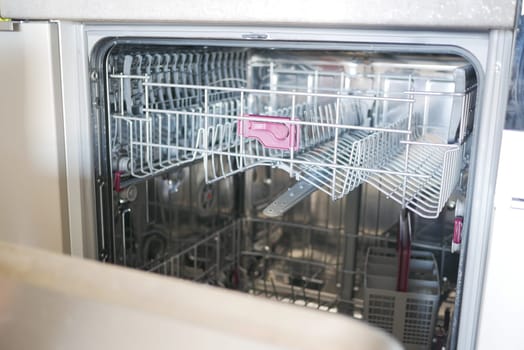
473	14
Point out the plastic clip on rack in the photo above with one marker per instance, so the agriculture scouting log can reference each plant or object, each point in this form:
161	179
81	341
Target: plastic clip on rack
271	131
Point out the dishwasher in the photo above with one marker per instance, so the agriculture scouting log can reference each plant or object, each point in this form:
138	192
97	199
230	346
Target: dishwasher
328	177
336	157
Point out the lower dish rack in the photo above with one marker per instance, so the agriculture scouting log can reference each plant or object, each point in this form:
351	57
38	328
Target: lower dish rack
291	263
304	265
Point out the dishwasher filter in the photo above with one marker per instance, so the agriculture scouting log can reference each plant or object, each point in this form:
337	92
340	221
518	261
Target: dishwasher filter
280	172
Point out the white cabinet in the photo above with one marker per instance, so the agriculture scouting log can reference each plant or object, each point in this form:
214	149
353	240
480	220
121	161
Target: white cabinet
503	303
32	181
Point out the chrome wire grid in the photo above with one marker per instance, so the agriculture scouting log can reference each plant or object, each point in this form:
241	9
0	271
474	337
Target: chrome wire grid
290	263
315	136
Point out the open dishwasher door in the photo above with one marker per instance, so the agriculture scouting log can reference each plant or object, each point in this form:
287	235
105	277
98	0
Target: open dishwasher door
51	301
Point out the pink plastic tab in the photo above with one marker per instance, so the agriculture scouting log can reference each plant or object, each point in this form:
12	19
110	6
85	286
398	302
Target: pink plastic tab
117	178
272	134
457	229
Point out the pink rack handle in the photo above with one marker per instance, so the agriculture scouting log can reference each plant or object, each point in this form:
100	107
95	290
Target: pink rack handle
272	134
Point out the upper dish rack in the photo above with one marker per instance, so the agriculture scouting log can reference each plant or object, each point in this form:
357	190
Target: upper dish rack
318	135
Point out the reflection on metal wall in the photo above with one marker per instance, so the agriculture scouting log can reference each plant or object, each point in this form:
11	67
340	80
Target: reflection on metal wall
515	111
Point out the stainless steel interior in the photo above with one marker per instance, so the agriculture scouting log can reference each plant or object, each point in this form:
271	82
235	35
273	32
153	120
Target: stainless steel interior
176	209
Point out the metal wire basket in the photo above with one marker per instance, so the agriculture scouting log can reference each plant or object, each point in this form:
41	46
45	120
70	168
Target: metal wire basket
316	135
410	316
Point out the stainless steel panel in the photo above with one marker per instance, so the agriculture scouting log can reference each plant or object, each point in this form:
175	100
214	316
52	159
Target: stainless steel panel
485	155
377	213
77	140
